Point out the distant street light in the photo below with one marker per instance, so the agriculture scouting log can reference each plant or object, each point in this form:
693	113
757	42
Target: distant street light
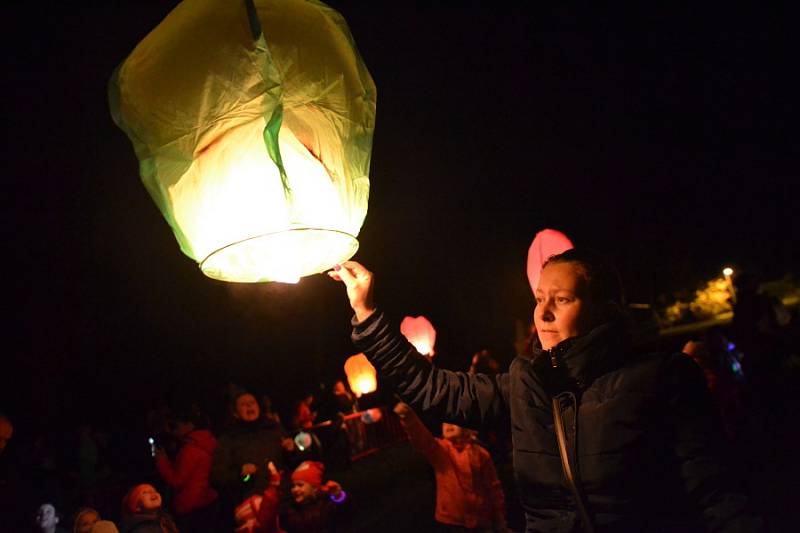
728	273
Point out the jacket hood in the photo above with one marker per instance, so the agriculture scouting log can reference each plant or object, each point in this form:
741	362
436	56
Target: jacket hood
203	439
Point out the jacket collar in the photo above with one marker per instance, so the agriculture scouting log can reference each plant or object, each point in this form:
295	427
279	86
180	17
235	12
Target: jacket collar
577	361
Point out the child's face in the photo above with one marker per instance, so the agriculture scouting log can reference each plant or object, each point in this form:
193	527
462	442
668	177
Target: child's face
453	432
86	521
46	516
149	499
302	491
247	409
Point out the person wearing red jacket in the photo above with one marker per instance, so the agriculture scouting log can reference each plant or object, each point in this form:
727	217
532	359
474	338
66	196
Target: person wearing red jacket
469	495
196	506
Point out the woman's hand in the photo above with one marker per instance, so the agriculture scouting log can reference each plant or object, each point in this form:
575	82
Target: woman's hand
358	281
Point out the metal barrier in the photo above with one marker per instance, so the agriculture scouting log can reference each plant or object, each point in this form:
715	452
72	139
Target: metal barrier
369	431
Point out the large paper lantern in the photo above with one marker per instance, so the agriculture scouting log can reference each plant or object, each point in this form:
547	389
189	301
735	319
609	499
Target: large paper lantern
546	243
253	124
420	333
361	375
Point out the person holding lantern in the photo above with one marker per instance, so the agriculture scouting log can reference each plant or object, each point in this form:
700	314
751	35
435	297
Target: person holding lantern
604	439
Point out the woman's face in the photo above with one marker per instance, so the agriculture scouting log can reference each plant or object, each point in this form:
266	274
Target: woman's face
560	308
247	408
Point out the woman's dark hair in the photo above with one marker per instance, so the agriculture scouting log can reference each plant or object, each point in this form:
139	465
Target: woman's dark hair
602	283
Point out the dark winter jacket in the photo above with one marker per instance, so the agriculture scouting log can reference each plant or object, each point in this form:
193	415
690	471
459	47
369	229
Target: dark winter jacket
147	523
257	443
189	476
645	434
319	515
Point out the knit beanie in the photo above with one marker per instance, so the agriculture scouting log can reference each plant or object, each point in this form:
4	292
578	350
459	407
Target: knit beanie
104	526
310	472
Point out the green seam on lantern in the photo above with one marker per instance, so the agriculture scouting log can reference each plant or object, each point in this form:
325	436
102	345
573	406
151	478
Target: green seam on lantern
271	132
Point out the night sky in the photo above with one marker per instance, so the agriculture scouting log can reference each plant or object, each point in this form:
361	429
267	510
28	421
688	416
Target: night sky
664	136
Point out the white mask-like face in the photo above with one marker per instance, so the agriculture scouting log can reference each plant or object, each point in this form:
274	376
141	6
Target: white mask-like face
46	516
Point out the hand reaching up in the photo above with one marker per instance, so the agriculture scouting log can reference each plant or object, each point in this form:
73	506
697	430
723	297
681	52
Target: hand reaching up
358	281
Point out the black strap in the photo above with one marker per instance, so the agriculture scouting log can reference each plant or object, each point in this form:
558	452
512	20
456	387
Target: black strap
569	474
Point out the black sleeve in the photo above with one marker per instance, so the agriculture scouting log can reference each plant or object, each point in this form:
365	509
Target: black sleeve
464	399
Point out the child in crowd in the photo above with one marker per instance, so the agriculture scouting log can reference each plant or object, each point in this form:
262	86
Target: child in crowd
468	493
195	500
85	518
142	513
47	519
316	507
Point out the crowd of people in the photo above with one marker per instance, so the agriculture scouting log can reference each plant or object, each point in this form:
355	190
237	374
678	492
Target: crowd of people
599	436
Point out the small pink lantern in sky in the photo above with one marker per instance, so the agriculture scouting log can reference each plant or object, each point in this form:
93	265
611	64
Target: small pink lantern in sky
546	243
361	374
419	332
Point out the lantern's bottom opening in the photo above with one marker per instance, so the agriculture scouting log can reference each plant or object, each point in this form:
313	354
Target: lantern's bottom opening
281	256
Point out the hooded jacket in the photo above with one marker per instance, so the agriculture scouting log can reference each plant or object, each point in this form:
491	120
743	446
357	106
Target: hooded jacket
189	476
640	429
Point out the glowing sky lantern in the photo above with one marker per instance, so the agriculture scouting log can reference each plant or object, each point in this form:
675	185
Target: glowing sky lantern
252	123
361	374
419	332
546	243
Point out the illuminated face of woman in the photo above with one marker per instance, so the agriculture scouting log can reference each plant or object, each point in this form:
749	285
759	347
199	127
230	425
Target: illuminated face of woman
560	308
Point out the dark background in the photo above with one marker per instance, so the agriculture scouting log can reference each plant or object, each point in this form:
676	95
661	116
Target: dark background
664	136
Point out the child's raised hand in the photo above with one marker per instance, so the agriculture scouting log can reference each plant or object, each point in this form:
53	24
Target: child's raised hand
274	475
332	487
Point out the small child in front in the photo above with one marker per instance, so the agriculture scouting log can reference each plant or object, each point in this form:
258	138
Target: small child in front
469	496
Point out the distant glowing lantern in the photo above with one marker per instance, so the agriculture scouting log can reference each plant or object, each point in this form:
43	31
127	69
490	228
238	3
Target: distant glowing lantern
253	124
361	374
546	243
419	332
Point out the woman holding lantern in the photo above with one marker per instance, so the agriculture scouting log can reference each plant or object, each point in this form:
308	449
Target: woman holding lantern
603	439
